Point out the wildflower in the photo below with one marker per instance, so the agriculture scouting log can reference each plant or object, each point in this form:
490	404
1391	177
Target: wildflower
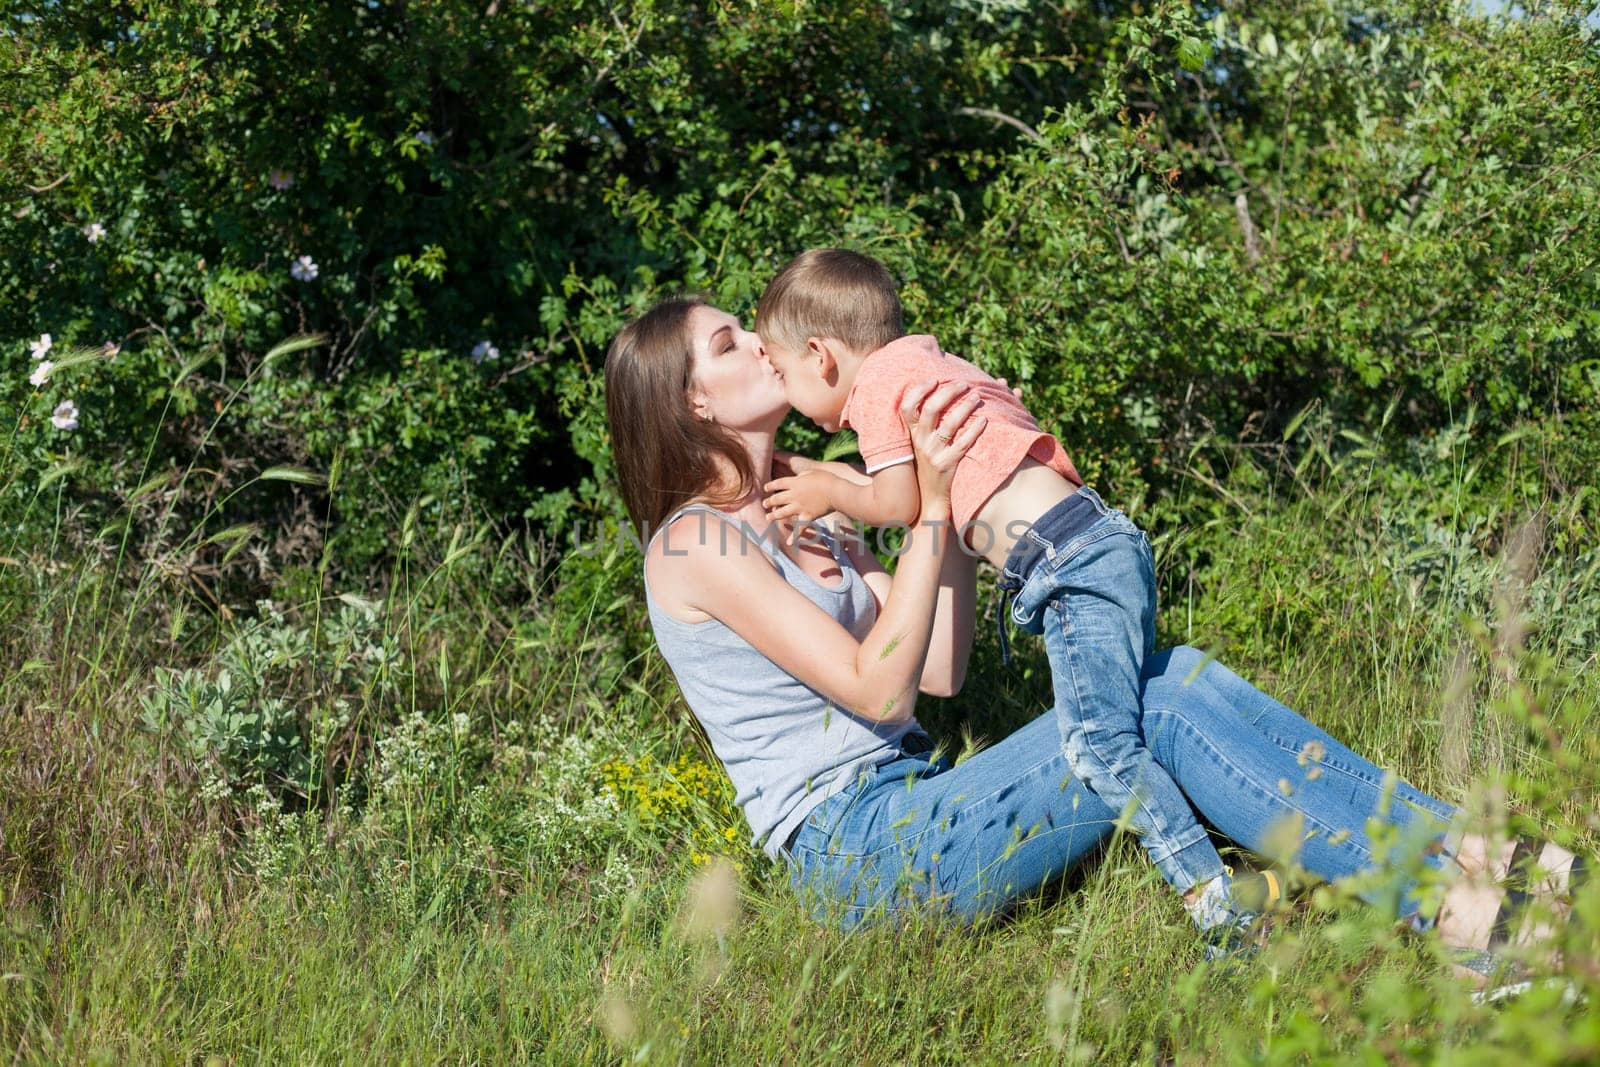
280	178
94	231
423	137
41	346
459	723
41	373
111	349
484	350
304	269
65	416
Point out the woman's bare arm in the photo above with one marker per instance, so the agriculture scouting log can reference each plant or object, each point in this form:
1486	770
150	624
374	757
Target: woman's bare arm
944	670
877	677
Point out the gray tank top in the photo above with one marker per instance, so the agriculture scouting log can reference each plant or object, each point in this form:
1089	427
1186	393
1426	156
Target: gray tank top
784	745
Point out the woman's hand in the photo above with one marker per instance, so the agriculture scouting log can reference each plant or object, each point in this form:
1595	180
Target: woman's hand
942	427
1016	390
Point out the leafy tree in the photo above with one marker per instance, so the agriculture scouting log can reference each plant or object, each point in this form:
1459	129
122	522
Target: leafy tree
1165	220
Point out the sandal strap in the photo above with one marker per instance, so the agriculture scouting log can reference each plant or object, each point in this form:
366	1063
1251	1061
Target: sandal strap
1490	964
1565	872
1514	901
1478	961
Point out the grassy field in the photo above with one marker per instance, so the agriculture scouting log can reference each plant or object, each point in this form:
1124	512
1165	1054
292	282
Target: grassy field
458	814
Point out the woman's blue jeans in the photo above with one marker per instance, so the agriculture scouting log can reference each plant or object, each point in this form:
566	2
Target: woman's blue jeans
972	837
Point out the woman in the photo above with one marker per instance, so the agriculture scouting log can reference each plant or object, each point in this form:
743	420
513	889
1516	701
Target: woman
802	661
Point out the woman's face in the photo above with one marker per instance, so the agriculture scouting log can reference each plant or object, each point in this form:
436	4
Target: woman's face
730	378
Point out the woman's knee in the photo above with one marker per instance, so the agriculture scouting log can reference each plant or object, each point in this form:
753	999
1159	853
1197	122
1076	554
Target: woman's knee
1172	673
1181	660
1179	689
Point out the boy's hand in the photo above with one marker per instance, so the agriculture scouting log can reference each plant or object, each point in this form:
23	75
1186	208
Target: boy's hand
787	464
800	497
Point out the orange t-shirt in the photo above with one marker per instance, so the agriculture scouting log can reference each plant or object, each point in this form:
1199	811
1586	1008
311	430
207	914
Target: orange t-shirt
1011	435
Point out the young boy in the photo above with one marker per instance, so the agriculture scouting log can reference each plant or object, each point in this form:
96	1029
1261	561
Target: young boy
1081	573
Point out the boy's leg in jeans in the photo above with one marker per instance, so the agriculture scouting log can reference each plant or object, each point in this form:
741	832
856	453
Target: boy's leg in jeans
1098	629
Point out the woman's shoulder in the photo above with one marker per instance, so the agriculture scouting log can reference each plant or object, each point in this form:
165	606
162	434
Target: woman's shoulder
697	551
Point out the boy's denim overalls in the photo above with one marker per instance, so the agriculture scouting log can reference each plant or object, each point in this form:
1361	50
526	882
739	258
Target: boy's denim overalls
1083	576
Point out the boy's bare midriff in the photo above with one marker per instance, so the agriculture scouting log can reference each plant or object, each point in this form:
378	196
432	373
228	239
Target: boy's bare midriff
1032	490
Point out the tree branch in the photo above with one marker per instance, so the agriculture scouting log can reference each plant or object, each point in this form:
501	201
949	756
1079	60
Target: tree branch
1000	116
52	185
1252	248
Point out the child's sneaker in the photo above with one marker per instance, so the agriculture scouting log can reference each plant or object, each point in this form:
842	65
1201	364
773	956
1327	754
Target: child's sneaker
1228	909
1232	940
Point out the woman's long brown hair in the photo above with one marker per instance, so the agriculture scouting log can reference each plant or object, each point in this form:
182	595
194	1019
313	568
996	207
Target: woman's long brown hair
665	456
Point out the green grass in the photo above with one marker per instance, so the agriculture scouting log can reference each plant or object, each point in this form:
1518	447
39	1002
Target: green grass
494	845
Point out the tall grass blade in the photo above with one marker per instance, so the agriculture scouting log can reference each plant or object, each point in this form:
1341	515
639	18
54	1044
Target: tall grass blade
291	345
59	471
292	474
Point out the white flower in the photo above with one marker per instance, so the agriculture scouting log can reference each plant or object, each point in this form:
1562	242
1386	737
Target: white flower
41	373
484	350
280	178
94	231
424	138
303	269
459	723
41	346
65	416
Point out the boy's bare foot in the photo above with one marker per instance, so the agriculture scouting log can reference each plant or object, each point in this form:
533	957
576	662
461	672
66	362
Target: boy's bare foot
1507	905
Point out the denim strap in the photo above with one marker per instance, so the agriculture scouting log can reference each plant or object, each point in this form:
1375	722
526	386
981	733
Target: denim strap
1000	606
1051	533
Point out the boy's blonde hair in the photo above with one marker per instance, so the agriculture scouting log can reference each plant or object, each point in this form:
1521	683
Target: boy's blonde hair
831	292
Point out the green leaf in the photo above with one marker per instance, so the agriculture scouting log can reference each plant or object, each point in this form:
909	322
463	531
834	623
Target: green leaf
60	470
1193	53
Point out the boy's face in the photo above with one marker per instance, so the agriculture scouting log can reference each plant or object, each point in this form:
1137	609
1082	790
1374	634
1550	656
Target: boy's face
808	390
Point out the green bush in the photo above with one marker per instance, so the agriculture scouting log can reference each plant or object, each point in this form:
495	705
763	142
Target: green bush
1348	204
1174	224
1161	225
472	189
278	707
